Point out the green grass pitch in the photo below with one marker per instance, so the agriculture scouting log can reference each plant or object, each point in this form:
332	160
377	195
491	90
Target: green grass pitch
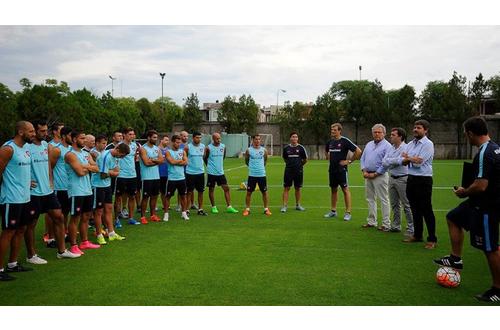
297	258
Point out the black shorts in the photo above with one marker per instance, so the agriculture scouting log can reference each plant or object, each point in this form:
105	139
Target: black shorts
253	181
216	179
195	181
126	186
63	199
163	184
293	176
81	204
179	185
338	179
150	188
483	225
102	195
15	215
41	204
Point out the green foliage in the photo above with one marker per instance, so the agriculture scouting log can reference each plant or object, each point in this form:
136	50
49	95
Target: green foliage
324	113
238	116
168	112
361	101
292	118
478	90
192	116
401	104
8	104
494	87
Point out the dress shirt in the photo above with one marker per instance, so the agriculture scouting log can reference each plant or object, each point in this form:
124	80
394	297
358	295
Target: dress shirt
393	160
371	160
423	148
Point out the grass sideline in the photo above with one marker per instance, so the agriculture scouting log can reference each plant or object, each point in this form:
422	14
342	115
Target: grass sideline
297	258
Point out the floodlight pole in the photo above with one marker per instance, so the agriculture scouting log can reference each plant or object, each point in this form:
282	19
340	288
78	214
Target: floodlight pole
278	97
162	75
112	86
360	72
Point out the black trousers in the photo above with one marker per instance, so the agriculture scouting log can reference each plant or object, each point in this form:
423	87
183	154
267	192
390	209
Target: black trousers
419	193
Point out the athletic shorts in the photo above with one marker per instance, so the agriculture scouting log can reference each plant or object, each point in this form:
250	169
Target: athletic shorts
163	185
63	198
15	215
293	176
81	204
216	179
150	188
482	225
179	185
102	195
338	179
42	204
253	181
126	186
195	181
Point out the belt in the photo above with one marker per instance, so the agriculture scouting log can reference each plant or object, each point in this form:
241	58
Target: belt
398	176
371	172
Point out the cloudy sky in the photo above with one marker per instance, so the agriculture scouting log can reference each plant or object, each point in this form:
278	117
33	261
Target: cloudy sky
215	61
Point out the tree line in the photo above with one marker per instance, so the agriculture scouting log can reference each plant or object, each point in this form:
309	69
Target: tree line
362	102
365	102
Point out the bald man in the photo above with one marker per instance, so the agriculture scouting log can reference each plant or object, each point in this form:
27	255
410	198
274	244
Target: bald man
214	156
15	172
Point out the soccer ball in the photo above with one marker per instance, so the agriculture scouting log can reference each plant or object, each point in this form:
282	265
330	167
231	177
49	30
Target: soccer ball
448	277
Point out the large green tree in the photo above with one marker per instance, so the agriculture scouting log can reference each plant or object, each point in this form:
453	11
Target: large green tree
325	111
192	116
292	118
401	104
361	101
477	92
238	116
494	87
8	113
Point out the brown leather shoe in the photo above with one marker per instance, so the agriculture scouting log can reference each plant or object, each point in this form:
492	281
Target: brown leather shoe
382	228
430	245
412	239
367	225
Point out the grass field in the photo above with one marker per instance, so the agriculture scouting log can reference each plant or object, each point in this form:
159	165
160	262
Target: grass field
297	258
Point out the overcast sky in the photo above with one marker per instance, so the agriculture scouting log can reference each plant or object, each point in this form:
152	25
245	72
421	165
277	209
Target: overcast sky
215	61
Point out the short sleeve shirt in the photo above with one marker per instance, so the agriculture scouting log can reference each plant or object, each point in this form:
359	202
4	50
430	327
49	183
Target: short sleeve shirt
338	150
293	156
487	166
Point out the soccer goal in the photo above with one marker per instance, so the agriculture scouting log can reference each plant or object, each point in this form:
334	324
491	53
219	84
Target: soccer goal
266	140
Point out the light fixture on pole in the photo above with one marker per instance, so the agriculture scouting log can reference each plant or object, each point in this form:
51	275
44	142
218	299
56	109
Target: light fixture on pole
360	72
162	75
112	86
278	97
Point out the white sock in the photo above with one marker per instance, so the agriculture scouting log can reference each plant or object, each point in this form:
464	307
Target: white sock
51	240
184	213
99	236
112	233
12	264
2	270
248	209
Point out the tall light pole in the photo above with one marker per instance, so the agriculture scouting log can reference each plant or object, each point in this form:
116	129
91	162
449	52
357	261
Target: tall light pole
360	72
162	75
278	97
112	86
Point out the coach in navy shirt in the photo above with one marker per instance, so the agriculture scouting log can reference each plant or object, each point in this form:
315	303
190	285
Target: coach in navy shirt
337	150
480	213
295	156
